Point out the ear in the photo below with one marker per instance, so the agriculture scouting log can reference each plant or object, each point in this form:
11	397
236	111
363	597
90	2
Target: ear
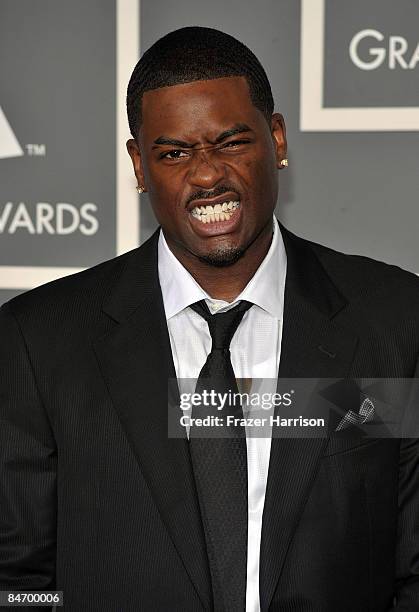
134	152
279	137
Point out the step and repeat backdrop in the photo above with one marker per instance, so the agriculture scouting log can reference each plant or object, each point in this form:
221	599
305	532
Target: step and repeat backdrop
345	76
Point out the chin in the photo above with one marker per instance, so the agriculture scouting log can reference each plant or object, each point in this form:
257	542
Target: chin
222	257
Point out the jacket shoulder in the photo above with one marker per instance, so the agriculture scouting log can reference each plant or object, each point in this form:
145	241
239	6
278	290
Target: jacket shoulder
75	292
358	276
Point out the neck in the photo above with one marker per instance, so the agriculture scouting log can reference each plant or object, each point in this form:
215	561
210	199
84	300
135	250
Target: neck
226	283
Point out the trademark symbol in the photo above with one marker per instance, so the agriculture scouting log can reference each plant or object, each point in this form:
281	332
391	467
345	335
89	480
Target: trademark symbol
36	150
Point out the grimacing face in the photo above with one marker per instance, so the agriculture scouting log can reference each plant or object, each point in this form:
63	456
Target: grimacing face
204	144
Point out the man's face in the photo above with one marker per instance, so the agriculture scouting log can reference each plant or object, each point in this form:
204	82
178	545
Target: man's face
204	144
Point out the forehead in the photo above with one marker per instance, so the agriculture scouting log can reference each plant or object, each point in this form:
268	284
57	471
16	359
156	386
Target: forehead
192	108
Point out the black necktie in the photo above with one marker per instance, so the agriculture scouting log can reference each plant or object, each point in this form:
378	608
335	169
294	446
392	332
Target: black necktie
220	469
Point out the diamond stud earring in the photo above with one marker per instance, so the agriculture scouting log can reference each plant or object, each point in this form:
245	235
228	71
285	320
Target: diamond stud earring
284	162
140	188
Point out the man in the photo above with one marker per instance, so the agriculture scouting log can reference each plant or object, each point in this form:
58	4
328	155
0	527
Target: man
96	499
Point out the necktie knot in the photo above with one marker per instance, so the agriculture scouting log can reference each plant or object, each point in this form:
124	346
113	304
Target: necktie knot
223	325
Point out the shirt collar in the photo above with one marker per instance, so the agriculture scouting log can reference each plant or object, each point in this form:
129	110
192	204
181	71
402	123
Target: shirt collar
265	288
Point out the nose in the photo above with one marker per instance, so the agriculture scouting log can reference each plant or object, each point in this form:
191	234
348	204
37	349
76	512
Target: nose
205	171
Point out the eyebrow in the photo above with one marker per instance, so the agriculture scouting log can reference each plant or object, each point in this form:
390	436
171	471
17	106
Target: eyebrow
239	128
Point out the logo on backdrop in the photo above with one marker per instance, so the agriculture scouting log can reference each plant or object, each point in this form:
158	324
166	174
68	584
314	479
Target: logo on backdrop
61	218
45	218
358	72
67	200
9	145
394	51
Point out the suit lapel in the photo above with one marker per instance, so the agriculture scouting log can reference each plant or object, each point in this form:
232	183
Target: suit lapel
313	345
135	360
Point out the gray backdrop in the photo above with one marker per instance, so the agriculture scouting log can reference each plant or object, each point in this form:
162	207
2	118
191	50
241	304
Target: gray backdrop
355	191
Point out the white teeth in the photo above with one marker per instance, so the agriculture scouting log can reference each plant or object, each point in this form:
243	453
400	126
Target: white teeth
219	212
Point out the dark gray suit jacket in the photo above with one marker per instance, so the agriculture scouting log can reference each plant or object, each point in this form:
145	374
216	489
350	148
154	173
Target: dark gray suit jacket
97	501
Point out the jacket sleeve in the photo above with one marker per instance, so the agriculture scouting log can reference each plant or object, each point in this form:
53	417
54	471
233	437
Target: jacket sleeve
28	460
407	557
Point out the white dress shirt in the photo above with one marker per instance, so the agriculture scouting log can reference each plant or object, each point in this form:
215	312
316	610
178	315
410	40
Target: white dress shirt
255	353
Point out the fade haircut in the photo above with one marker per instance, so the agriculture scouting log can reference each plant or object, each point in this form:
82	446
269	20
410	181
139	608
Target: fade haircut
191	54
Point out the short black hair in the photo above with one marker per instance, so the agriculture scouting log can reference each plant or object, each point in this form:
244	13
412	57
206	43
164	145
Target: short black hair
195	53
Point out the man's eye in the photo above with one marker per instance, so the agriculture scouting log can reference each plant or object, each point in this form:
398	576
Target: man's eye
173	154
235	143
